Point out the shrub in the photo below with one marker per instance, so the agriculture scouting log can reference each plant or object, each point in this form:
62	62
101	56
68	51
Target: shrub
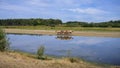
3	41
72	60
40	52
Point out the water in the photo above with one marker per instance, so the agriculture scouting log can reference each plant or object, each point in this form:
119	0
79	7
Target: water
95	49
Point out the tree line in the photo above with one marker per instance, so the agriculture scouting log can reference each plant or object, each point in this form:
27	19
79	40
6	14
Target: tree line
29	22
55	22
100	24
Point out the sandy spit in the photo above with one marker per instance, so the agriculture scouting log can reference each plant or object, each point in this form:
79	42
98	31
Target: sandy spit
53	32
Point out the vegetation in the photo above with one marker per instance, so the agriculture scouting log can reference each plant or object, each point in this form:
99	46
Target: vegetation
72	60
40	52
56	22
29	22
3	41
64	28
100	24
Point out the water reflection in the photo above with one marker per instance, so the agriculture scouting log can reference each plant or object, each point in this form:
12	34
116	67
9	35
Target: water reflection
64	37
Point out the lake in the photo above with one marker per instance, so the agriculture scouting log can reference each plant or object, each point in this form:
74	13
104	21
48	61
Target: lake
95	49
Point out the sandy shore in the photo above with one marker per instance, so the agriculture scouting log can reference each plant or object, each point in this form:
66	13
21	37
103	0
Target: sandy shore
52	32
19	60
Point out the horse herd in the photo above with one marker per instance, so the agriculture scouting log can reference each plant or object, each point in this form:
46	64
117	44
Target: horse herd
64	32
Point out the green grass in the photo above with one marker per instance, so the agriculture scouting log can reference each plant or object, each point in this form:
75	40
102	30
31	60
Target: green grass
64	28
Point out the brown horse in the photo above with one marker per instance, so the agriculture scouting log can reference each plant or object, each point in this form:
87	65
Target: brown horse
64	32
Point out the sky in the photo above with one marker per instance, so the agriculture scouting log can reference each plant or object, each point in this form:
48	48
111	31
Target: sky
66	10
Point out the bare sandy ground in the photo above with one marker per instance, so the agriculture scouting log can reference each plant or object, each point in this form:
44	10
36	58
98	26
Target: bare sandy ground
16	60
75	33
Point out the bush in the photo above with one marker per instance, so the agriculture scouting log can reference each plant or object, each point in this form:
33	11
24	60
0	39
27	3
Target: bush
72	60
40	52
3	41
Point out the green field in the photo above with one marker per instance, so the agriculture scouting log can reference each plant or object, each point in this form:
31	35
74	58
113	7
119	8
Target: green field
108	29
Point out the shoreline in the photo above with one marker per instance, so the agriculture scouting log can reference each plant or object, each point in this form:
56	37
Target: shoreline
52	32
25	60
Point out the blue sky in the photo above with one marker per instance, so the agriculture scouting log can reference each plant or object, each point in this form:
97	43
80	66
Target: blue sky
66	10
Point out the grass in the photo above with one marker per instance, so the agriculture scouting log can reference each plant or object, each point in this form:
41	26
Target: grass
64	28
25	60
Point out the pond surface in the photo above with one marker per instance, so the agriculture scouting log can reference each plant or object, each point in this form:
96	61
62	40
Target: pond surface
95	49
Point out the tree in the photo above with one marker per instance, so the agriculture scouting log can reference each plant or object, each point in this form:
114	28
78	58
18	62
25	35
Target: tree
54	22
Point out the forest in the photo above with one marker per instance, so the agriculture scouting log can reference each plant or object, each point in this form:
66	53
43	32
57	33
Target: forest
56	22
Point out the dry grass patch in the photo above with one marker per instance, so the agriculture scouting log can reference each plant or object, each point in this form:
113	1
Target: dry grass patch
17	60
